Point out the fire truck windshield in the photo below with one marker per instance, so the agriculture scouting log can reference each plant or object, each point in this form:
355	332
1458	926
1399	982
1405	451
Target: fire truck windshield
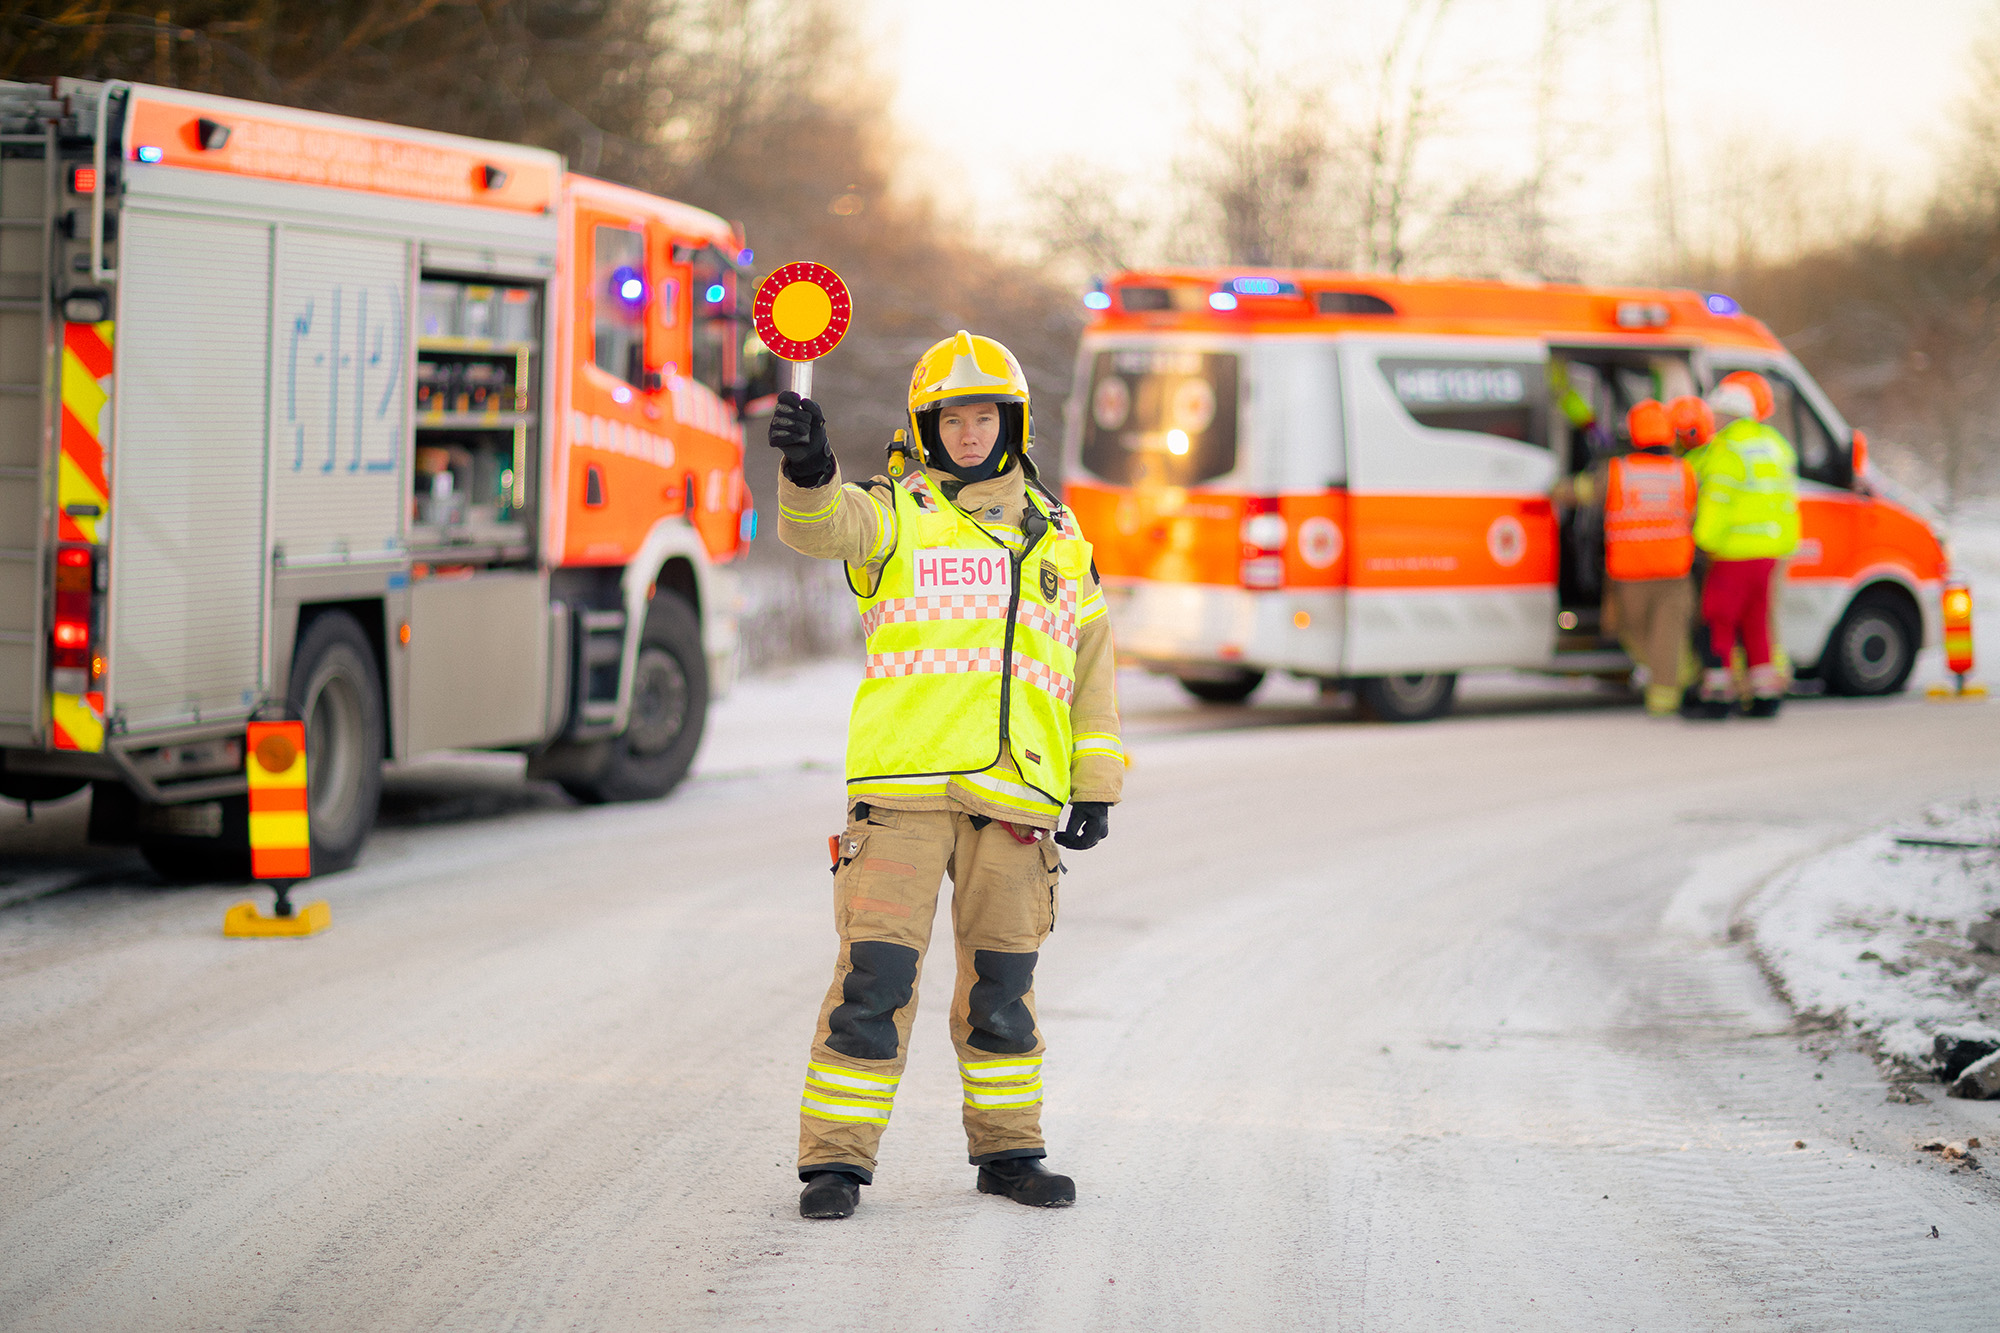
1160	416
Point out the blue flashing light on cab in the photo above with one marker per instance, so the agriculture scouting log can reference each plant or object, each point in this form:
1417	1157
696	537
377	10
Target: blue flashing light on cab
1261	287
1097	300
1221	301
150	153
714	294
1718	304
628	285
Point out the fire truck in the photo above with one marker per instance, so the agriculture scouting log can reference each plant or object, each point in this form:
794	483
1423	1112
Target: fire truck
424	440
1346	477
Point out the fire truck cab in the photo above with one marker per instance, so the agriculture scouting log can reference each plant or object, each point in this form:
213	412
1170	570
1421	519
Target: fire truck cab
421	439
1348	478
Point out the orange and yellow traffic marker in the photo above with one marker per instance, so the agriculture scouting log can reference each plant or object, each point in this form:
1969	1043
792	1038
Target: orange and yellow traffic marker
280	833
1957	609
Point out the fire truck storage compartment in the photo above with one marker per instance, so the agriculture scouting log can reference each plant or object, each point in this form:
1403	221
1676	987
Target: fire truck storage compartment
478	358
340	404
24	199
187	470
479	655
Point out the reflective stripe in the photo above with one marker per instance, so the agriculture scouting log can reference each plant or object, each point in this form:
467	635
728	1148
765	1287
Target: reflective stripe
1023	1096
1091	607
1098	742
934	606
883	1085
1045	678
931	661
885	528
990	1071
1013	795
871	1113
818	515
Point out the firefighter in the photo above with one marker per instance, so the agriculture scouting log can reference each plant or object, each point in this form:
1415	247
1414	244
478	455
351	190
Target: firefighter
1746	520
989	703
1693	421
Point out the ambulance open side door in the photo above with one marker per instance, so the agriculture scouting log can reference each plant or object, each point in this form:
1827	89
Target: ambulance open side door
1452	540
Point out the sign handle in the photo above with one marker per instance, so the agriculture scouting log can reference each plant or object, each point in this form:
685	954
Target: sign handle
802	378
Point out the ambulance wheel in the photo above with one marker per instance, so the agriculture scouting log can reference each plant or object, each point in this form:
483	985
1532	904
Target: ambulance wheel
669	710
1232	689
1873	647
1406	698
337	689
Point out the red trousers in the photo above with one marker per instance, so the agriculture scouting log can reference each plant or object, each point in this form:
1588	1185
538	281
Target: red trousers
1736	600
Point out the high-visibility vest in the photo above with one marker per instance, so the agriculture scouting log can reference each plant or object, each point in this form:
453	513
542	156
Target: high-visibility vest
1649	502
971	650
1748	507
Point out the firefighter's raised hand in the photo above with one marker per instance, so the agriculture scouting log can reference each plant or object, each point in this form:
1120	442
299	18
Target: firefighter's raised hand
799	428
1089	821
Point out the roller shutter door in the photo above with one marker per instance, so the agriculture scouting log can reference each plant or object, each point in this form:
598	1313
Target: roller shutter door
187	553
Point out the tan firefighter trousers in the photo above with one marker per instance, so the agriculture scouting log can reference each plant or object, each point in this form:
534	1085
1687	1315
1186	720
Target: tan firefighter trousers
1003	905
1651	618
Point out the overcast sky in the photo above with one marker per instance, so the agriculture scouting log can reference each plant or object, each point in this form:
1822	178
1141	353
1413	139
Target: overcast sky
993	93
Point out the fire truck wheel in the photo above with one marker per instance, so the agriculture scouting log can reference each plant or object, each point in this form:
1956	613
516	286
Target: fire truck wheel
1406	698
669	710
337	689
1224	690
1873	647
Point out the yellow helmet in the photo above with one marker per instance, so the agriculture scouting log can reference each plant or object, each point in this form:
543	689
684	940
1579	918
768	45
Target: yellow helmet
967	368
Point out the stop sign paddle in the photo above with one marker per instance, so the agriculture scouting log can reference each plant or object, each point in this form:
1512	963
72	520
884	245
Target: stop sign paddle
802	311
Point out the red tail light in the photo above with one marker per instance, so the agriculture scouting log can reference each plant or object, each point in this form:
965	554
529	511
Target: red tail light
74	610
1263	533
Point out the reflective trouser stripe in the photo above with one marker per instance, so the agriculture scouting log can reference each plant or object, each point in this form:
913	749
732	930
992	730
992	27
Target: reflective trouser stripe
1020	1096
1016	1082
833	1093
873	1113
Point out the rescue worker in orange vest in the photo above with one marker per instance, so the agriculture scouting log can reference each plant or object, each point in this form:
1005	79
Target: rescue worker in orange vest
989	703
1747	521
1649	497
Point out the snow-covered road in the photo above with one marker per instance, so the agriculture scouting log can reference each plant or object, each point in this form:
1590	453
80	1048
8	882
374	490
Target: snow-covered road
1351	1026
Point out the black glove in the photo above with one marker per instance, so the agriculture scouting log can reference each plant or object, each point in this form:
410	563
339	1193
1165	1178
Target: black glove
799	428
1089	821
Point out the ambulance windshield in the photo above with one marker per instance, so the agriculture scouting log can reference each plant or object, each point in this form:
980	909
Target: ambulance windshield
1160	416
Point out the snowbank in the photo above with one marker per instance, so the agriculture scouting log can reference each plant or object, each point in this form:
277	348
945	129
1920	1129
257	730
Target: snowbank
1873	933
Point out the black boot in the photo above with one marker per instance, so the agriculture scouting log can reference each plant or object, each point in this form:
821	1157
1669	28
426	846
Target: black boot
1764	705
829	1194
1026	1180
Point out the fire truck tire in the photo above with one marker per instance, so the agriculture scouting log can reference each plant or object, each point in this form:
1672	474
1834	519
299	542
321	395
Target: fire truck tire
1873	648
1406	698
669	711
1226	690
337	688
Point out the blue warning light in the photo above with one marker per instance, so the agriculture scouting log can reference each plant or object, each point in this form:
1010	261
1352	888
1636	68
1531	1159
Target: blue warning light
1097	300
713	294
628	285
745	258
1258	286
1221	301
1718	304
151	153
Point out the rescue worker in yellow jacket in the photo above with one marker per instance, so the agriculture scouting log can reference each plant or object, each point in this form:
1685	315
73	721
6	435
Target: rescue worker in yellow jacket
1747	521
989	703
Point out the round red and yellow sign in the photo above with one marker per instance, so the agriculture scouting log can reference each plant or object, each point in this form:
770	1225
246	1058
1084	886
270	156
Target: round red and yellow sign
802	311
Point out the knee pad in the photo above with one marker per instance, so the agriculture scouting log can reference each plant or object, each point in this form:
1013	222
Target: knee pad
882	978
998	1013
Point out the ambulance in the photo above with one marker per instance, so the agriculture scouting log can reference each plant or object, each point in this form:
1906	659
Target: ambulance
424	440
1347	478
